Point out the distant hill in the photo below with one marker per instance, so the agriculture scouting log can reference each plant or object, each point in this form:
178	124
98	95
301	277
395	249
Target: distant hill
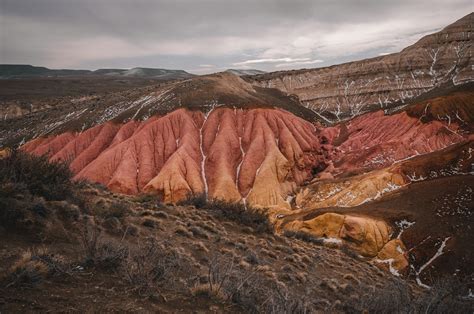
241	72
24	71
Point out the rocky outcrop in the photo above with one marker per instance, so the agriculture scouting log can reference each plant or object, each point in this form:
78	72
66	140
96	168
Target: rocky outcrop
393	256
368	236
258	156
374	185
342	91
376	140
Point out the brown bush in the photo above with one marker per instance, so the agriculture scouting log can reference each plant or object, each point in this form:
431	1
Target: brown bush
233	211
153	265
23	172
99	252
34	266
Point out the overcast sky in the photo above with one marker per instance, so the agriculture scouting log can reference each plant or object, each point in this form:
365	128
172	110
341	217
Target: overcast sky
213	35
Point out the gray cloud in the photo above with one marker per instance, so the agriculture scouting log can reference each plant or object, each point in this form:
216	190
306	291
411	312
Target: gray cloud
269	35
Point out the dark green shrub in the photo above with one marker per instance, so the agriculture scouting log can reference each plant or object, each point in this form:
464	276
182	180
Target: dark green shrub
20	172
241	214
196	200
233	211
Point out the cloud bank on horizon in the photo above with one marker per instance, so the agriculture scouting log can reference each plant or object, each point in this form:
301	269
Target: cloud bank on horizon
204	36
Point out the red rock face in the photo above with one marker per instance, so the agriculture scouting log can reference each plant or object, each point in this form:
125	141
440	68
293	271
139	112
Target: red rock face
256	155
375	140
259	156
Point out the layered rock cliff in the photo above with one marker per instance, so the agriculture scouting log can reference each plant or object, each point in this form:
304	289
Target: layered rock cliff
342	91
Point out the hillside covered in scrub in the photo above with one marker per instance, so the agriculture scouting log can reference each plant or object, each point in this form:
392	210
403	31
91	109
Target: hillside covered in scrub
79	247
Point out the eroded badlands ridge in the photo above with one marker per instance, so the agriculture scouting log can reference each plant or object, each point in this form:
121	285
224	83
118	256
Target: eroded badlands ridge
386	82
308	178
256	155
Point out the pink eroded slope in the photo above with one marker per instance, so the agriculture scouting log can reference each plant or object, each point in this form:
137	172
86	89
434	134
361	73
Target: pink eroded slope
256	154
259	156
375	140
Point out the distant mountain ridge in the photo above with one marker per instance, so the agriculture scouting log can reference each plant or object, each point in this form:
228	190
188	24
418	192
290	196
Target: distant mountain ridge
24	70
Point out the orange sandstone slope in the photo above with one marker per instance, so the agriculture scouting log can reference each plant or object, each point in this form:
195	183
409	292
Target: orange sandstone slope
256	155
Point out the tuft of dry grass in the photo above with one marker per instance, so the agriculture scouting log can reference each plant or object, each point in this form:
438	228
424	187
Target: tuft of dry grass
33	266
183	231
204	290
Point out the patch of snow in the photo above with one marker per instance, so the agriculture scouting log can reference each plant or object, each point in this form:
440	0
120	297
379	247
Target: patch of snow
389	188
239	166
203	161
438	253
403	225
389	261
332	240
413	178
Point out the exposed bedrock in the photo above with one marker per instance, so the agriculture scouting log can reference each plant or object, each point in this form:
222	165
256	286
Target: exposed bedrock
265	156
343	91
376	140
368	236
257	155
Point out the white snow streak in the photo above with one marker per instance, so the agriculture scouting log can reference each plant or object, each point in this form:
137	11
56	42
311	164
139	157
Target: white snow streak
203	161
435	256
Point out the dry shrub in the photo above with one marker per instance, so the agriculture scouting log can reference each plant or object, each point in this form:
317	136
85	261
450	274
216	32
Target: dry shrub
248	287
160	214
183	231
237	212
447	295
233	211
350	252
153	265
198	232
101	252
34	266
203	290
148	198
106	209
21	172
151	223
196	200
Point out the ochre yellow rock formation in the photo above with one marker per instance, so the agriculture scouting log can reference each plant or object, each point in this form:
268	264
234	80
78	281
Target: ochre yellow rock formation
350	192
325	226
365	235
394	255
